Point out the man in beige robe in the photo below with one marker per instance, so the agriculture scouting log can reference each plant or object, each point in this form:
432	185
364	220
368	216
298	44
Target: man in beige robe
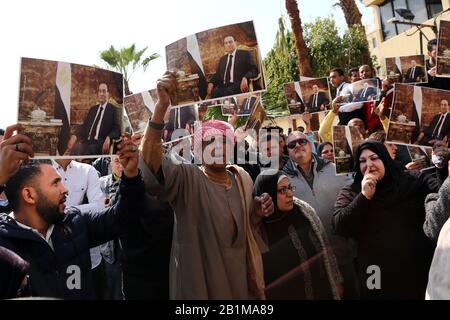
215	254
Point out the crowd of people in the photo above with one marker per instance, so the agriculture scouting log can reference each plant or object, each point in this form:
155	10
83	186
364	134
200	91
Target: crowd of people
146	224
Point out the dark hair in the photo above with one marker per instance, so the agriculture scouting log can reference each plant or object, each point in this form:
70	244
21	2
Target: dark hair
353	70
16	183
338	70
2	132
431	43
321	146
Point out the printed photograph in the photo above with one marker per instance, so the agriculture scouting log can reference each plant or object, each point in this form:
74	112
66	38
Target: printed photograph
139	108
242	104
407	69
345	141
70	110
365	90
257	117
311	95
216	63
420	116
443	50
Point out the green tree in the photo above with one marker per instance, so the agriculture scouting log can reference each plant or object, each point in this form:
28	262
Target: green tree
324	43
329	50
126	61
281	67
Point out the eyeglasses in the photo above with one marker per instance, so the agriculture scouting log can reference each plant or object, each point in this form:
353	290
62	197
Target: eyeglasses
286	189
302	142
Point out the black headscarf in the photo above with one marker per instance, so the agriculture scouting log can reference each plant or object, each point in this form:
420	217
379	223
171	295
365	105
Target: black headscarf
267	182
321	146
395	184
12	272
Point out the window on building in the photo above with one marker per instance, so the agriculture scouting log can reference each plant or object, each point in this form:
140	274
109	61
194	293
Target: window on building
422	10
374	42
433	8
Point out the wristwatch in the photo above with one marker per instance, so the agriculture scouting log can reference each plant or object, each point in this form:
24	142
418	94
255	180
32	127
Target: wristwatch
156	126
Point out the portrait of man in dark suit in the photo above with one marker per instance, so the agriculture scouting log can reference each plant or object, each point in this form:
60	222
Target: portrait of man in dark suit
414	74
233	73
180	118
318	100
367	93
99	128
247	105
439	128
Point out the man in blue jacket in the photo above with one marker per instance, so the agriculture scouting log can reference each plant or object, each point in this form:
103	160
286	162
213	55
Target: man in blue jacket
54	240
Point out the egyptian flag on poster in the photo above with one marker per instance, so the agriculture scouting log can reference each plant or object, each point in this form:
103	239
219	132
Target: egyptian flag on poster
195	61
417	111
62	103
148	101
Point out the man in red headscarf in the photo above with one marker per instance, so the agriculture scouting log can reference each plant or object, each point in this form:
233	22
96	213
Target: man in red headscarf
215	253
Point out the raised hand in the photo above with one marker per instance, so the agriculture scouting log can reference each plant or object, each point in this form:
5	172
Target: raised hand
128	155
14	150
165	88
263	205
368	185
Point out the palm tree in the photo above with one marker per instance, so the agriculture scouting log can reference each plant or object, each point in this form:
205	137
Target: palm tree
304	60
353	18
126	61
351	12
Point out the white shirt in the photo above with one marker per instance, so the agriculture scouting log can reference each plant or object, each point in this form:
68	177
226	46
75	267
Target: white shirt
232	66
47	235
82	179
97	130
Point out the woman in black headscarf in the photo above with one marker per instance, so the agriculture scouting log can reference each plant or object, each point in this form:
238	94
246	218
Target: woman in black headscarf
383	210
298	263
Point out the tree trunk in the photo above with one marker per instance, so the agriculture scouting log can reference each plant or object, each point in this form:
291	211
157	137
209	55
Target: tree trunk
126	87
353	18
351	12
304	60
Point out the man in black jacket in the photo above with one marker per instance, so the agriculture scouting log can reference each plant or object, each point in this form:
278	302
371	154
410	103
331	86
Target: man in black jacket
100	126
54	240
234	72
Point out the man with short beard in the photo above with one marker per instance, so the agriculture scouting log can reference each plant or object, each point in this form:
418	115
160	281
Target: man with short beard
55	241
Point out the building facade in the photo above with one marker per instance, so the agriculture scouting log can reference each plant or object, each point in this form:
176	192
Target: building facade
388	39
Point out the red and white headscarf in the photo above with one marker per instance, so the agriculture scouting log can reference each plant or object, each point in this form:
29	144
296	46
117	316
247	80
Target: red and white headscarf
213	128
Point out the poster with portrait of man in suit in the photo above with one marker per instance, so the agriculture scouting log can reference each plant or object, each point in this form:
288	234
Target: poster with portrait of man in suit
139	108
216	63
443	50
70	110
346	140
407	69
311	95
241	105
365	90
420	116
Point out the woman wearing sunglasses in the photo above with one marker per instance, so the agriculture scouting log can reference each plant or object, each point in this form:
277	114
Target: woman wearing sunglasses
297	261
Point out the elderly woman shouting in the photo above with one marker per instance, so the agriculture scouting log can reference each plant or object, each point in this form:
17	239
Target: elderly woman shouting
383	210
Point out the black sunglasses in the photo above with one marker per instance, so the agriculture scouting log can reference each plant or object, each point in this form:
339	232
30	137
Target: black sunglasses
302	142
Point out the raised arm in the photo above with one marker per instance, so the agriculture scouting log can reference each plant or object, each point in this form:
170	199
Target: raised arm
349	211
327	123
151	144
